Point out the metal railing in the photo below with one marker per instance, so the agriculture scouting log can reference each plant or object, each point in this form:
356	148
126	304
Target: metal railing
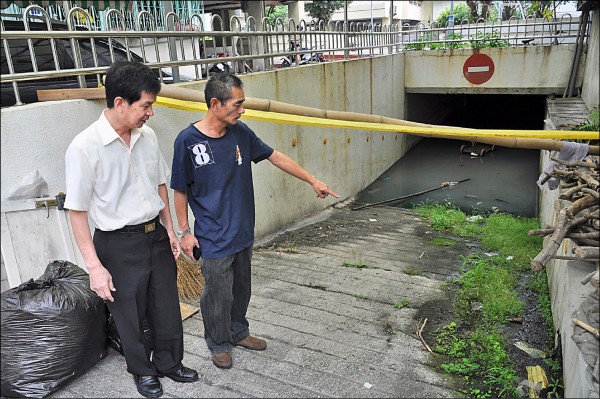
514	32
185	49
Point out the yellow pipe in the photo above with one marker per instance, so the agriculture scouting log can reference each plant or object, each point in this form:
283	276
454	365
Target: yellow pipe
446	132
527	139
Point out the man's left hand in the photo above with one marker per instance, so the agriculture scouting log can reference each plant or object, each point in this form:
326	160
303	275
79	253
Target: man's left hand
175	246
322	190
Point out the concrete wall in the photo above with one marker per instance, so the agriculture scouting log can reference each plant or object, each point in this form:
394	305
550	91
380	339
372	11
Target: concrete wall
36	136
591	82
546	70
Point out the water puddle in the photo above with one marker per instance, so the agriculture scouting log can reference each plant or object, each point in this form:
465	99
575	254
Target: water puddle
503	179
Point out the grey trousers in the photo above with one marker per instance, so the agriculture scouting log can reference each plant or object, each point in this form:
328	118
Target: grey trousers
224	300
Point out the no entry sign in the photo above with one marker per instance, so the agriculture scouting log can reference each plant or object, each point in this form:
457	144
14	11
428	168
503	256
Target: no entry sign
478	68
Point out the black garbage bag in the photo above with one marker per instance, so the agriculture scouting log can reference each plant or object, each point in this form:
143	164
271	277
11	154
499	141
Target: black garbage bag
53	330
113	337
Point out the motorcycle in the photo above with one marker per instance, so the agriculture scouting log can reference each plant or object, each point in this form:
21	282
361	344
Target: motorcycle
306	58
219	66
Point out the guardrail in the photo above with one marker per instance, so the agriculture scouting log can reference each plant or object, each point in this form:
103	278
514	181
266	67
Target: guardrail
187	45
514	32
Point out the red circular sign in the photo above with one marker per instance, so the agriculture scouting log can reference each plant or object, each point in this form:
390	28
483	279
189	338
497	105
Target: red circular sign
478	68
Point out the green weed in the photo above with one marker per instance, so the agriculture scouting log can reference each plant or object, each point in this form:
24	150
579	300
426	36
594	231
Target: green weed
413	271
484	282
555	387
443	217
592	122
477	355
539	284
443	242
358	265
489	39
552	364
404	303
507	235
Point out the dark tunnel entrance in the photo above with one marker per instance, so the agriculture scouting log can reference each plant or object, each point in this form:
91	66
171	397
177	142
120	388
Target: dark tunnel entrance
478	111
499	178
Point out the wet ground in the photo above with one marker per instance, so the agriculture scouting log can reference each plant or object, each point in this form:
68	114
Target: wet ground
342	227
504	178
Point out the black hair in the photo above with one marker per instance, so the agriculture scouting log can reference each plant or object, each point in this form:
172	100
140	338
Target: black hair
219	86
128	79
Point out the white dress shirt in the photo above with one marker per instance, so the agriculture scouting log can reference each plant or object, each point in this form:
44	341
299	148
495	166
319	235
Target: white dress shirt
117	185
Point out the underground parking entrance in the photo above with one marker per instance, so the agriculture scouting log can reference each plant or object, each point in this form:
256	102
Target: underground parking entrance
491	177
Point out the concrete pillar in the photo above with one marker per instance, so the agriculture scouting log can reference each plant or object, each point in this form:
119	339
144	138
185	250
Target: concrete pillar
256	9
224	14
294	11
168	7
427	12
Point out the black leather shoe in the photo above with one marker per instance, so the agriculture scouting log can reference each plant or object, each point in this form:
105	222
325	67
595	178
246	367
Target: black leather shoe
184	374
148	385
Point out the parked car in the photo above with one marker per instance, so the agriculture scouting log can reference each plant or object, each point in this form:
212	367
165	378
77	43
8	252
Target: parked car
21	59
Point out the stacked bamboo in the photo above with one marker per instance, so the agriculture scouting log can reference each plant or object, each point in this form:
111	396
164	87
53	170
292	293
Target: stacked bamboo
579	220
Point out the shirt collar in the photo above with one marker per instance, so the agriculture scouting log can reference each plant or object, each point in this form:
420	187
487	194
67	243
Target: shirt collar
109	134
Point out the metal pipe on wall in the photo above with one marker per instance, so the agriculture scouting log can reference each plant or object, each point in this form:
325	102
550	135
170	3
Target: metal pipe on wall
578	49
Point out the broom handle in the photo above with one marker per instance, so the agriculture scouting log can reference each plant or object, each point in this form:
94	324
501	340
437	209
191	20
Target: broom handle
587	327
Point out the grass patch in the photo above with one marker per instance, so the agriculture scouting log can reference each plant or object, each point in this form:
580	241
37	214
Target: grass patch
413	271
361	296
442	217
478	352
539	284
358	265
507	235
403	303
491	285
443	241
486	297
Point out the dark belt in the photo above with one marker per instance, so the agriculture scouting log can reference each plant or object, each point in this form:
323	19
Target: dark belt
147	227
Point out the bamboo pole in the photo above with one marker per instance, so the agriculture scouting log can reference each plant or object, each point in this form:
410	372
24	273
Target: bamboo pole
258	104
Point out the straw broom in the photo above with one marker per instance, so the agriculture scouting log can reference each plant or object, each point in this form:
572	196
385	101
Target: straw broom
190	280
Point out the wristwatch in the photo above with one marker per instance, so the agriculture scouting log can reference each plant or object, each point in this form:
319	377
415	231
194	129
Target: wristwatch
180	234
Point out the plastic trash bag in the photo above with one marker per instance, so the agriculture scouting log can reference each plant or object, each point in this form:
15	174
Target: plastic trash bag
33	185
112	335
114	339
53	330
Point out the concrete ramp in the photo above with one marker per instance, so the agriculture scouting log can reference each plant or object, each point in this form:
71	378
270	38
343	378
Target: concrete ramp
331	326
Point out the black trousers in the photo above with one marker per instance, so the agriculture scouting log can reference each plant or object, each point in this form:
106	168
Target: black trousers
144	274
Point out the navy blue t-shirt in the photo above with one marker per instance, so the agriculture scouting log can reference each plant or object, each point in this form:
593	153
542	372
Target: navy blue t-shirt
216	173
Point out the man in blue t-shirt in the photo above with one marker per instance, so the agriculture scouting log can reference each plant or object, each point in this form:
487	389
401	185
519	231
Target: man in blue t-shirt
212	170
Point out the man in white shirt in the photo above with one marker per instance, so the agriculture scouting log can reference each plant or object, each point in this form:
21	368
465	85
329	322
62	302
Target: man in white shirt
116	176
